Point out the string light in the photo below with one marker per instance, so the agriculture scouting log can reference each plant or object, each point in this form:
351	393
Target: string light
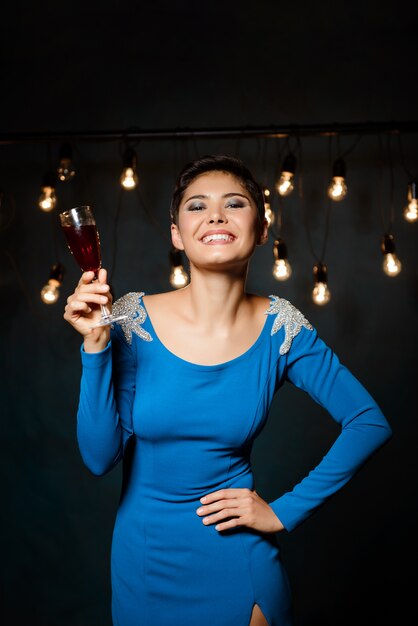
286	182
65	169
178	275
321	294
391	264
337	189
410	212
268	213
50	292
129	177
47	200
281	268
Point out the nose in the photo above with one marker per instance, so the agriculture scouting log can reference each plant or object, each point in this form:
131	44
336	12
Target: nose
216	216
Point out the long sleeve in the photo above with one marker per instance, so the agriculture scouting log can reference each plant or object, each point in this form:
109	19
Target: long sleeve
313	367
104	417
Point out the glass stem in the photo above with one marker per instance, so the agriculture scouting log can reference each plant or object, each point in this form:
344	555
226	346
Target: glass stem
105	312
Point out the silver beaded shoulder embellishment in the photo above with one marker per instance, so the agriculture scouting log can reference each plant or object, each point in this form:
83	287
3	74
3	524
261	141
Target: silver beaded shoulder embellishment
130	305
289	317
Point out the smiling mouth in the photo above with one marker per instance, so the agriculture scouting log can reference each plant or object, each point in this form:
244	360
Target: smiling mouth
217	238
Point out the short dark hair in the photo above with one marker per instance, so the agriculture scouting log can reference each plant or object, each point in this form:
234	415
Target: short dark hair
216	163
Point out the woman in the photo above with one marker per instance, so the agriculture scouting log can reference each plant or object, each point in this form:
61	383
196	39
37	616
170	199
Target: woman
180	390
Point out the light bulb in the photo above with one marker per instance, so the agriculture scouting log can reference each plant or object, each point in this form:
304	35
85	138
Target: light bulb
286	185
66	170
129	178
50	292
281	268
268	213
337	189
286	182
410	212
48	199
178	277
321	295
391	264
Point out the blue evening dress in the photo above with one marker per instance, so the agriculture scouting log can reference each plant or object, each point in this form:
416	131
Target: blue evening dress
185	430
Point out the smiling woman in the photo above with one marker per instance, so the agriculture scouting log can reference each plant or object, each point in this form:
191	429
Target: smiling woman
218	212
180	390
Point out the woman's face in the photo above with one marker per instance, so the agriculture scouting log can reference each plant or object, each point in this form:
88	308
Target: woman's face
218	223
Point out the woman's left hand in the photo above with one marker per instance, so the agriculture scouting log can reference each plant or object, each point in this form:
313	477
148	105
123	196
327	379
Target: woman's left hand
240	507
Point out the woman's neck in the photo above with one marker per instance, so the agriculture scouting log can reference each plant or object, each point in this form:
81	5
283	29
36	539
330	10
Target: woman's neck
215	297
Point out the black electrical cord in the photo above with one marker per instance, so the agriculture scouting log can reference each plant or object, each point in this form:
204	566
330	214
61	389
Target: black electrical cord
408	172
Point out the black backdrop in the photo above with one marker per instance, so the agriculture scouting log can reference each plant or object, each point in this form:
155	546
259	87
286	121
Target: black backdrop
101	66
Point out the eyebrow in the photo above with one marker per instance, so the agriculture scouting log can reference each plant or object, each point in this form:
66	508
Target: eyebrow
226	195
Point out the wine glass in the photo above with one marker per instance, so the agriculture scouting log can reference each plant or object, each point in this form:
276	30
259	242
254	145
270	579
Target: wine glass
80	230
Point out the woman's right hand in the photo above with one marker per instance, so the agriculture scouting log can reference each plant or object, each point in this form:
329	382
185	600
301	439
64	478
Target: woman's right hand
83	310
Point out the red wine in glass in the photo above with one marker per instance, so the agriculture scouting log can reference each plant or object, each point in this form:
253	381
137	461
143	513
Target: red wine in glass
84	245
80	230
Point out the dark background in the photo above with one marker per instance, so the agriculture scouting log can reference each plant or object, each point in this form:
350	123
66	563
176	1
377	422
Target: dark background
102	66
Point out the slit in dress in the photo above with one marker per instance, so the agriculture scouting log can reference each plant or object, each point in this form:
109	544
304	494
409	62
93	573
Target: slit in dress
257	619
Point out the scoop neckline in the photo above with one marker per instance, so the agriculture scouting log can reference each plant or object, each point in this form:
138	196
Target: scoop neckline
199	366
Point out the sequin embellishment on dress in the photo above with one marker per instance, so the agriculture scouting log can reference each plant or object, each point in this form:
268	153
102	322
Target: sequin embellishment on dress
289	317
130	304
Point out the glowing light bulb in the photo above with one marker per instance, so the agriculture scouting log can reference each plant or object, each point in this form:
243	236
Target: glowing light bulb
47	200
65	169
129	178
391	264
321	295
50	292
337	189
268	213
281	268
178	276
286	182
410	212
285	186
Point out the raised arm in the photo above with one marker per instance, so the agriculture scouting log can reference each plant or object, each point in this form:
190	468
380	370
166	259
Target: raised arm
107	387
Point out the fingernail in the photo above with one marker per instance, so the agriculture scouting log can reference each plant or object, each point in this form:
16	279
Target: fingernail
103	299
203	499
199	510
205	520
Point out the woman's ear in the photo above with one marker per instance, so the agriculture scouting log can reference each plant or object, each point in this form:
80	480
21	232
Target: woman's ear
264	233
176	237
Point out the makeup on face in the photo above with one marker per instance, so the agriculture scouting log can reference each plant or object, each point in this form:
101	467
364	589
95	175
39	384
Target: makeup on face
232	200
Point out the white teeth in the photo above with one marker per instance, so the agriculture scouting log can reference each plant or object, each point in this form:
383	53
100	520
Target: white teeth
217	237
